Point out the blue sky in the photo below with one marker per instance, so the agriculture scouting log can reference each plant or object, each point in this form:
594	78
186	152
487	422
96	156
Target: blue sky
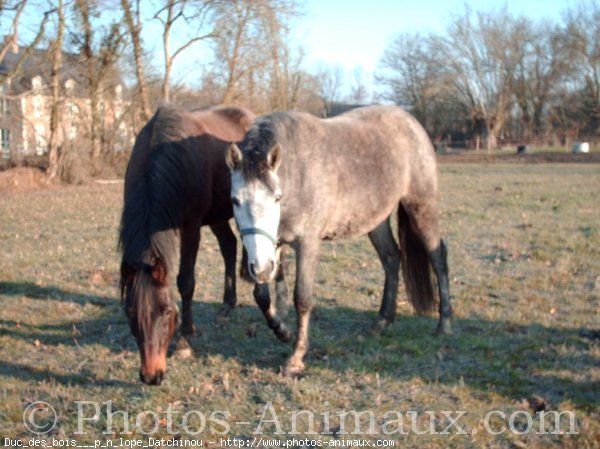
350	34
354	33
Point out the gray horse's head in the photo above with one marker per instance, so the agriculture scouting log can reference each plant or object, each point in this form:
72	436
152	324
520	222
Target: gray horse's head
255	195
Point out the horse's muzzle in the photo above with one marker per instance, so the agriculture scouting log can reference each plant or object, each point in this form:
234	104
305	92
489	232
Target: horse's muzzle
152	379
264	275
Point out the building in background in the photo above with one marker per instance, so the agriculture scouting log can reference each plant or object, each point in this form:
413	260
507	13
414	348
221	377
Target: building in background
26	103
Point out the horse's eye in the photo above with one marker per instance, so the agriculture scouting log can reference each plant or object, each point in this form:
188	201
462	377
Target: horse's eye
278	197
235	201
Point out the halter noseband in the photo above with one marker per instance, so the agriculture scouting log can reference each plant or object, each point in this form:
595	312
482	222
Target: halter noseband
254	231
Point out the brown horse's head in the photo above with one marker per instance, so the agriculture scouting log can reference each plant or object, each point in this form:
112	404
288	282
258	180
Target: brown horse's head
152	314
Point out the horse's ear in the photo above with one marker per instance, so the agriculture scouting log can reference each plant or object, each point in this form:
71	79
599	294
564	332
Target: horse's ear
233	158
158	272
274	157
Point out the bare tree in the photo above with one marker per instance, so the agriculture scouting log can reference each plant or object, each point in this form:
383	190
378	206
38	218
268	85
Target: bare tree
582	28
189	13
330	86
55	113
284	75
99	65
12	38
543	63
134	25
413	71
481	56
239	36
359	94
253	55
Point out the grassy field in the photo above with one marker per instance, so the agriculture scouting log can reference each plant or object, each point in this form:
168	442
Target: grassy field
524	253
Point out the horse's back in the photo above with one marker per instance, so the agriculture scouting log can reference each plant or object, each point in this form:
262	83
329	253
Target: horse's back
358	166
395	142
227	123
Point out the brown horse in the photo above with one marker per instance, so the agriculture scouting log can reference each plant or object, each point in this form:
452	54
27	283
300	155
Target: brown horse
299	179
176	182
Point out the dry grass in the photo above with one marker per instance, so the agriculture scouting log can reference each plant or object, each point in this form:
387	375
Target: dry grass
525	269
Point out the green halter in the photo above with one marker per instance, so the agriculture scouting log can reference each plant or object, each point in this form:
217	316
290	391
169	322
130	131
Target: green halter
254	231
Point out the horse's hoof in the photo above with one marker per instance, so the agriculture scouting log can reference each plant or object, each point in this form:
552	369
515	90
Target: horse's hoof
225	311
284	334
444	327
379	326
187	331
183	350
293	370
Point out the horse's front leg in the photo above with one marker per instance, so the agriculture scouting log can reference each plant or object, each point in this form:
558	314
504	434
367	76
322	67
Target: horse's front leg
190	240
281	291
263	299
228	247
307	259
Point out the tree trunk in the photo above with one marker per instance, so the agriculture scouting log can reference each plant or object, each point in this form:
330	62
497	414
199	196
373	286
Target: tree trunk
134	31
168	60
55	114
492	139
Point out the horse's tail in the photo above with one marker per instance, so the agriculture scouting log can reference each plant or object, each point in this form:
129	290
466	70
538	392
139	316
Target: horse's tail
416	267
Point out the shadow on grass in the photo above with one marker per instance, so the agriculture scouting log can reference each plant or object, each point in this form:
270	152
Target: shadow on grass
497	356
107	328
30	374
31	290
104	325
516	361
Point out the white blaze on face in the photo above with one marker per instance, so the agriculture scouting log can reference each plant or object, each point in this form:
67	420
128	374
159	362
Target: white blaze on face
257	210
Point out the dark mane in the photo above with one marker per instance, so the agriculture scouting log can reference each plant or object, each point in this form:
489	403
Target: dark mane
260	139
155	178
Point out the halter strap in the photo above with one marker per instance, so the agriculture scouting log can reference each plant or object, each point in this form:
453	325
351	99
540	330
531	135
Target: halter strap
254	231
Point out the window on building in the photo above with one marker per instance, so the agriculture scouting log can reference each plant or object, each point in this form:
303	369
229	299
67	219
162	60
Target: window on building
4	107
69	84
5	143
36	83
25	139
38	106
40	139
72	134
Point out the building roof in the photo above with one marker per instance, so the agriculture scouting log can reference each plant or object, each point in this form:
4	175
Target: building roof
39	64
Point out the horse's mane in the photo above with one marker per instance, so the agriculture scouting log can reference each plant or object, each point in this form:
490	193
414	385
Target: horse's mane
266	132
154	182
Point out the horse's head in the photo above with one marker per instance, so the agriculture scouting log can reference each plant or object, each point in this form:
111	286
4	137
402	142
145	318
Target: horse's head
152	314
255	194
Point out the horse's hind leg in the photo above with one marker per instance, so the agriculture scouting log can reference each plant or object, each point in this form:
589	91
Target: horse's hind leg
424	218
263	299
389	254
228	247
439	261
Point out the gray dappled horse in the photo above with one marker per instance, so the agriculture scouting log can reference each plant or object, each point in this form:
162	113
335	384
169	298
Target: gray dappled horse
298	179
